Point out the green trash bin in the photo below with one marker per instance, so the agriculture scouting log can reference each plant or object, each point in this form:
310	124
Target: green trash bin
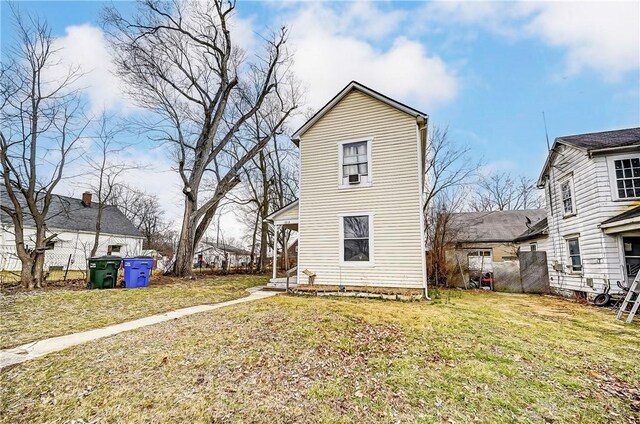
103	271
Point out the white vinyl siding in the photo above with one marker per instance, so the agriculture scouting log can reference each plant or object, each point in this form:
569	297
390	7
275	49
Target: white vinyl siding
595	201
394	197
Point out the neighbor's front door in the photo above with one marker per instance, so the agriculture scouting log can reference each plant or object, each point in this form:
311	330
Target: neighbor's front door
631	256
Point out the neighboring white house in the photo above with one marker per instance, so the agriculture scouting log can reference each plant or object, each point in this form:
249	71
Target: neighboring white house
74	222
592	188
359	214
212	254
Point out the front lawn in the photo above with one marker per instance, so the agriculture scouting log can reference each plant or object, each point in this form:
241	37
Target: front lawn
28	316
475	357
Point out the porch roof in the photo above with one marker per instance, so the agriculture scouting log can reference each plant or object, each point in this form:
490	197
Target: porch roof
627	220
285	215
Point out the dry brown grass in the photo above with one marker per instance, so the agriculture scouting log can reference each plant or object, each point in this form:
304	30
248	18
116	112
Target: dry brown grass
57	310
468	357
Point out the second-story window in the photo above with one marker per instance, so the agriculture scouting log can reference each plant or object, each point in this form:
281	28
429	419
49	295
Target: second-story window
628	178
568	200
355	163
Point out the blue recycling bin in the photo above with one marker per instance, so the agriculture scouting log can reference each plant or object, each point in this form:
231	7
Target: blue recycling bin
137	271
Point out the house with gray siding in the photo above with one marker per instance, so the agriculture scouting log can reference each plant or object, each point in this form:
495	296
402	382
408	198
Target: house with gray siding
592	189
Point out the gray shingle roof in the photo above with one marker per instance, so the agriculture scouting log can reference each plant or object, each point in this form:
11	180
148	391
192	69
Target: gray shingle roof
540	228
496	226
602	140
68	213
631	213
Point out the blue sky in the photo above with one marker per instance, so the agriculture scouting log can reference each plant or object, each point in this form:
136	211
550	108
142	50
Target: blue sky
485	69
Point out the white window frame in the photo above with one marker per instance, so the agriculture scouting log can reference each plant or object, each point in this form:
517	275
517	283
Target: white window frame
369	180
611	164
563	181
357	264
570	262
533	247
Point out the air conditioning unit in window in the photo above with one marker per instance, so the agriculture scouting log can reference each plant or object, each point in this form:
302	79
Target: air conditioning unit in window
354	179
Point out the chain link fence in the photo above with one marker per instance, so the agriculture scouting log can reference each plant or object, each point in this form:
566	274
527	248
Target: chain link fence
61	263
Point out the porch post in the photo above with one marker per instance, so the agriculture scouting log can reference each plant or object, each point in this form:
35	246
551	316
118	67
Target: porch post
275	249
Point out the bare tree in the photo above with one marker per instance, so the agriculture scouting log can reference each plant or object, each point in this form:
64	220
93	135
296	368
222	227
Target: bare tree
443	231
448	165
146	213
178	60
449	168
106	167
270	183
502	191
41	120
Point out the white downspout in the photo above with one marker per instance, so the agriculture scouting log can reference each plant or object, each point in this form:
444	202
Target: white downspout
422	151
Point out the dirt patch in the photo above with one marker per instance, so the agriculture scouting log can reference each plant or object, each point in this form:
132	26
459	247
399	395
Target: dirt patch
357	289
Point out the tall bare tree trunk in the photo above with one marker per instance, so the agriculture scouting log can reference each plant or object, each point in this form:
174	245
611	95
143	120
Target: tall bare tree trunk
186	248
264	212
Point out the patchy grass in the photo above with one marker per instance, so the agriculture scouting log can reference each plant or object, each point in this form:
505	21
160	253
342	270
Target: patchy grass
484	357
28	316
11	278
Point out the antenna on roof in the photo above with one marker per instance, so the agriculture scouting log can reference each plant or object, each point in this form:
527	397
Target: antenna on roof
546	133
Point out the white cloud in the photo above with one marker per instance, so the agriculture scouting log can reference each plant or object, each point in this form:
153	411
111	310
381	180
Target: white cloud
333	47
496	166
85	46
601	36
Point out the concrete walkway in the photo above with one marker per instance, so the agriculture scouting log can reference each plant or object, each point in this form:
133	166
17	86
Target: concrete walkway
39	348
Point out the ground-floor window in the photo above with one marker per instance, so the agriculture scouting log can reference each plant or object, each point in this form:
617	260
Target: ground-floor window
575	262
356	239
631	256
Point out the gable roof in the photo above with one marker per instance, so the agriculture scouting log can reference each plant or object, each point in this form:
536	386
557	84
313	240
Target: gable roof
539	229
354	85
495	226
592	143
69	214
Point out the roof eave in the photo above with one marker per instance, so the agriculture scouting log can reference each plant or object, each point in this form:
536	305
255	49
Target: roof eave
634	220
338	97
617	149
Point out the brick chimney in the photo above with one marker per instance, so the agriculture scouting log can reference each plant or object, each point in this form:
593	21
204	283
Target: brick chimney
86	199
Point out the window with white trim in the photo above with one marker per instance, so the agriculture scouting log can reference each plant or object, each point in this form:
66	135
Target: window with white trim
355	163
533	246
575	261
568	199
627	178
356	238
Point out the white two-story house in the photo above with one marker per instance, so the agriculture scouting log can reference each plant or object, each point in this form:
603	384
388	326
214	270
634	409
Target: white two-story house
359	212
592	187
